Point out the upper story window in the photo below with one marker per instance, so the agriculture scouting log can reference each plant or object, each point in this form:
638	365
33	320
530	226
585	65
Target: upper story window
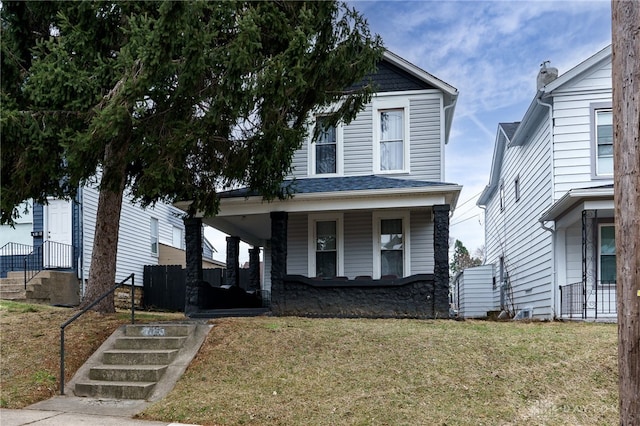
391	136
154	236
178	238
392	139
501	196
516	188
326	158
602	141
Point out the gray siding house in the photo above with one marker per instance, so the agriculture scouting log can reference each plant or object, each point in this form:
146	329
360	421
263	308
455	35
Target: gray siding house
549	202
366	232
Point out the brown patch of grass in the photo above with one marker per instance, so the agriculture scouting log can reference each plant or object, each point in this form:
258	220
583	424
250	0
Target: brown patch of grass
286	371
30	347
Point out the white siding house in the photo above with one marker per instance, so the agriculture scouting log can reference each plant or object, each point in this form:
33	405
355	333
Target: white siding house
549	200
367	194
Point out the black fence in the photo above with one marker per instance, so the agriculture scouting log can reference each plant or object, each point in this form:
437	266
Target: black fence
582	301
164	288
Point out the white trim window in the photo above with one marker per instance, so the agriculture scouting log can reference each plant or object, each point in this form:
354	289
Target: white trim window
607	254
325	152
391	137
391	245
153	232
326	246
178	238
603	139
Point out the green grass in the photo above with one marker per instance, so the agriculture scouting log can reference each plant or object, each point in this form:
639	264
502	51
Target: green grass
398	372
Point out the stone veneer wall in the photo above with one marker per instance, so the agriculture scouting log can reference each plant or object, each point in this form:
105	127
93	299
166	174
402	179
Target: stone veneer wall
409	297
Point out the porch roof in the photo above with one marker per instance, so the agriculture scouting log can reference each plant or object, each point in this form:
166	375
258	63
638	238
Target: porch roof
574	197
341	183
245	214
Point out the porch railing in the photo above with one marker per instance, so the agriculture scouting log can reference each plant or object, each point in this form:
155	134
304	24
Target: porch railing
32	260
583	301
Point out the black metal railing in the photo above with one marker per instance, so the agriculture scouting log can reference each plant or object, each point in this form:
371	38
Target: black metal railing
49	255
580	300
12	257
85	309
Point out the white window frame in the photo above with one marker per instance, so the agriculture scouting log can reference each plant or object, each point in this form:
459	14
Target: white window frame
379	106
516	188
406	241
180	243
595	109
311	239
502	196
154	236
311	167
600	226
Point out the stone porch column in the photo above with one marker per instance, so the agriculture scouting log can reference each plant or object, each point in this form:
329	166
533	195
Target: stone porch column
254	268
193	248
278	259
232	276
441	260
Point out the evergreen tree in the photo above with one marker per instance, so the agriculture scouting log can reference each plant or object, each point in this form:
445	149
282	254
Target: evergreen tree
168	100
462	259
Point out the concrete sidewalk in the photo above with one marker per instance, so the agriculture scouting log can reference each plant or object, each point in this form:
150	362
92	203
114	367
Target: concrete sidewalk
71	411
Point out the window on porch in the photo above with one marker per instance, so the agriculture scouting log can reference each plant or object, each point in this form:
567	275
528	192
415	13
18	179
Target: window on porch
391	247
607	254
326	249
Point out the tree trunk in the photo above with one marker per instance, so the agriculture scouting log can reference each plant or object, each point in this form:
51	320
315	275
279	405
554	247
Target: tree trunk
102	272
626	121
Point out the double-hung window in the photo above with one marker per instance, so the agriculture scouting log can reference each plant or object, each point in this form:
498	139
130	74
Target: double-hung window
607	254
153	231
325	250
326	149
391	136
391	244
602	135
392	139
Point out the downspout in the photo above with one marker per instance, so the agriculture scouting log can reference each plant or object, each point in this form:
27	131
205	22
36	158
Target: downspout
443	122
554	290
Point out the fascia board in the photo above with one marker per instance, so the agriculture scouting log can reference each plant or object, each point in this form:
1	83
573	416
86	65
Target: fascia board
579	69
420	73
573	197
343	200
496	167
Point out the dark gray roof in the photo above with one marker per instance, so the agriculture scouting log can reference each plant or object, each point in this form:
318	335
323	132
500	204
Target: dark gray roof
336	184
509	128
390	78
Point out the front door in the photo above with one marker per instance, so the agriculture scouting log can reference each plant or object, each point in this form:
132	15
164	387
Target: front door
58	238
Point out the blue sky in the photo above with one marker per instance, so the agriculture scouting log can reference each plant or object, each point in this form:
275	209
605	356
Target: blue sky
491	52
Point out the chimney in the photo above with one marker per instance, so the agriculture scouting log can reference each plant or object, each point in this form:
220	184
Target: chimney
546	75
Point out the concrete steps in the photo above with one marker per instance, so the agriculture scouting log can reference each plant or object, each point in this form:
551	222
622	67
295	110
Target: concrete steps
12	288
137	358
48	286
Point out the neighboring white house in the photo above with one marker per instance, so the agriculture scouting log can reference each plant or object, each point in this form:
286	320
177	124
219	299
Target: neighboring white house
549	202
368	196
61	235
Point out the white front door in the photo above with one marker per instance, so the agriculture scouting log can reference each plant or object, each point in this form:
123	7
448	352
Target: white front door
58	237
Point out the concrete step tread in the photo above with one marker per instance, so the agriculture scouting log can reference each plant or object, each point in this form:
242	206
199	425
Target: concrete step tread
111	383
140	351
129	367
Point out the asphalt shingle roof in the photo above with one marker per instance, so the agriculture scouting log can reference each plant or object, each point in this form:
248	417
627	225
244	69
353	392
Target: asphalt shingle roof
335	184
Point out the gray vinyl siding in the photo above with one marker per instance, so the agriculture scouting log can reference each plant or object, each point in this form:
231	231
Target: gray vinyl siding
474	292
573	152
134	238
358	243
425	140
297	246
515	232
573	242
358	144
425	132
421	241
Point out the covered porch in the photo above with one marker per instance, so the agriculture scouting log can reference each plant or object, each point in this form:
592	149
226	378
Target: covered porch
284	232
584	252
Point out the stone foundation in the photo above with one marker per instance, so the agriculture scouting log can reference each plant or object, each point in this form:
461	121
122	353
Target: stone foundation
410	297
